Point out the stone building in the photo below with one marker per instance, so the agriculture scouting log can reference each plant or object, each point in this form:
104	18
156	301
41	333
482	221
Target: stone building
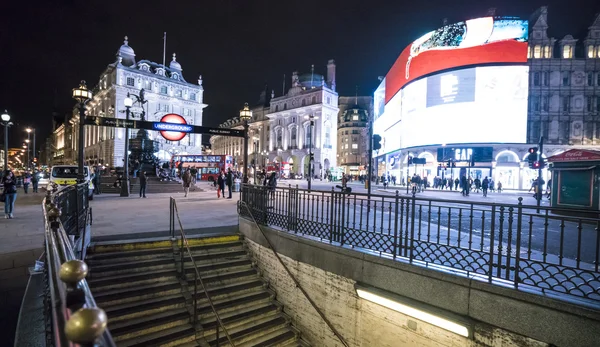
353	133
280	132
564	85
166	91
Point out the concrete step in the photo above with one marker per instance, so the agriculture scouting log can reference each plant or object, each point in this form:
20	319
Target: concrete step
229	289
219	265
215	247
234	302
102	284
131	328
239	317
200	256
255	329
223	277
128	256
144	307
281	337
168	337
122	295
131	267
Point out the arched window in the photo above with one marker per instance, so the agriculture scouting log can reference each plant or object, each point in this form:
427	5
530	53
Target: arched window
314	100
327	137
276	108
307	142
303	102
285	106
279	138
293	136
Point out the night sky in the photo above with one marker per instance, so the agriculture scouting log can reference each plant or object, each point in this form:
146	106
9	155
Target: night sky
47	47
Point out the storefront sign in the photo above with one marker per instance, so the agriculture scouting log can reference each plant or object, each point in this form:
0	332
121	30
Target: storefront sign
466	154
576	155
172	127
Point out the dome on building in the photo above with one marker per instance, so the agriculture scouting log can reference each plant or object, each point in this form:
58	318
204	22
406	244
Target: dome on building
126	53
309	80
174	65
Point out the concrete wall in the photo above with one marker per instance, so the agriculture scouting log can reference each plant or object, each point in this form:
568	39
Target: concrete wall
499	316
14	275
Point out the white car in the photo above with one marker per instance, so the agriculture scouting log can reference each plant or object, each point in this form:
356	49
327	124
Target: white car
66	175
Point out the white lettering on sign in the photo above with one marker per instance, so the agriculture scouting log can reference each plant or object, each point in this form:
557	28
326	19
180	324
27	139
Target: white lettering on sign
463	154
574	154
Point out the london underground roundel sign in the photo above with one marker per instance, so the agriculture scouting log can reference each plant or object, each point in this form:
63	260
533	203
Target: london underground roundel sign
173	127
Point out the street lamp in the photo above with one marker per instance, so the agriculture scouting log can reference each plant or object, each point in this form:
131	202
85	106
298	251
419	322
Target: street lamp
128	102
245	116
6	123
82	95
255	142
310	147
26	146
29	131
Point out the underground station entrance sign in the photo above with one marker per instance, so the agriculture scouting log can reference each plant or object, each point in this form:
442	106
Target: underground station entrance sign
172	126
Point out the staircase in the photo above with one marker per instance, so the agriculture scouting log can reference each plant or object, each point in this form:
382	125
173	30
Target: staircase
150	303
153	186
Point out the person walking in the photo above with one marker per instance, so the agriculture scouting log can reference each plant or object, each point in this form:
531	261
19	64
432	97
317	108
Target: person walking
26	182
9	182
34	181
143	179
221	184
186	180
485	186
272	184
229	182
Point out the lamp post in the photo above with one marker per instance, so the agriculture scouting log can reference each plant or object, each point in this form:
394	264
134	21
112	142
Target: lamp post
26	146
29	131
6	123
255	141
245	116
82	95
128	102
310	148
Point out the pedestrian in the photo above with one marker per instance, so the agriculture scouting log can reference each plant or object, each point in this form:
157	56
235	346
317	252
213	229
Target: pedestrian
96	180
229	181
464	185
456	182
499	187
492	185
186	180
485	184
549	188
271	185
9	193
221	184
34	181
143	181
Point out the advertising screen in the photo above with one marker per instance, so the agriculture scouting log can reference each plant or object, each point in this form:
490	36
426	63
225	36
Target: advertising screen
472	42
486	104
379	100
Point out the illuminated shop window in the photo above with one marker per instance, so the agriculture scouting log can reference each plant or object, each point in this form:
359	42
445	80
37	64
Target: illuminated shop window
547	52
567	52
537	51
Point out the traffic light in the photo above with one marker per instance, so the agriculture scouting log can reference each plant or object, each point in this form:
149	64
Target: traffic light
376	142
532	157
453	164
410	160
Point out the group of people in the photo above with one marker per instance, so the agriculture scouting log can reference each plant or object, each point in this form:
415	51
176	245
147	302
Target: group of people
9	189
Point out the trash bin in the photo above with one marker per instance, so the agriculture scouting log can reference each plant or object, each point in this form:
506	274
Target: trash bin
236	185
366	184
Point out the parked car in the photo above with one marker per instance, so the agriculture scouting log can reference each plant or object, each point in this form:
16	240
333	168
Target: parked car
64	175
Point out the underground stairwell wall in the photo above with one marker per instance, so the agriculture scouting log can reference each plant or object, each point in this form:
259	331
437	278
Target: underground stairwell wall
318	268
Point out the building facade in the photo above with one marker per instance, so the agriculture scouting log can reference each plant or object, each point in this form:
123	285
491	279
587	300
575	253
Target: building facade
353	133
479	119
286	129
166	91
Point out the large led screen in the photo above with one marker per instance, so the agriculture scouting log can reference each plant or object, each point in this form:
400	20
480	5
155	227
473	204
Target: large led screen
486	104
472	42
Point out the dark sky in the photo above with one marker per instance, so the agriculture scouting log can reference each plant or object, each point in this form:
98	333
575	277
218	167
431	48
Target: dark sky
237	45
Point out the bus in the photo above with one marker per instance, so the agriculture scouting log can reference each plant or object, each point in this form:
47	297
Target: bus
209	166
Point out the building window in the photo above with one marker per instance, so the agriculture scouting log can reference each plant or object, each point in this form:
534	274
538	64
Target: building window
193	96
163	89
148	85
293	136
157	107
590	79
328	100
303	102
279	138
545	103
355	146
165	108
535	103
546	78
589	102
327	137
307	141
598	79
276	108
355	117
187	112
547	52
565	78
565	103
178	93
285	106
536	78
529	52
293	119
314	100
537	51
567	52
130	81
598	104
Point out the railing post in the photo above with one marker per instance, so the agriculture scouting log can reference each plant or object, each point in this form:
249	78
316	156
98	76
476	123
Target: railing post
195	296
492	236
412	228
340	235
396	224
518	251
331	215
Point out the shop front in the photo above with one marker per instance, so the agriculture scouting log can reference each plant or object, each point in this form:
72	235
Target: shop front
575	176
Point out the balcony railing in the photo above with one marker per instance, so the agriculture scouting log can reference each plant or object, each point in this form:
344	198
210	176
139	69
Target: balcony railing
511	245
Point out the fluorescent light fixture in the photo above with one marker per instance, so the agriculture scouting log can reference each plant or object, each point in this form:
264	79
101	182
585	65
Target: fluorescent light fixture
427	317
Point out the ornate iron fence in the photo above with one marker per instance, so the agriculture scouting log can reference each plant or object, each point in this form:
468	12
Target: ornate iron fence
505	244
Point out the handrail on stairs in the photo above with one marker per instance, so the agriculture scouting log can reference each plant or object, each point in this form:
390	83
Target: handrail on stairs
296	282
174	212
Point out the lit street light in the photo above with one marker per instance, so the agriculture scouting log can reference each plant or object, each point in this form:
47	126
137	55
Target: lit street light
245	116
310	148
82	95
127	102
29	131
6	123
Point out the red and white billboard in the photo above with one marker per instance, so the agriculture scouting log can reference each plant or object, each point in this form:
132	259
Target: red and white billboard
473	42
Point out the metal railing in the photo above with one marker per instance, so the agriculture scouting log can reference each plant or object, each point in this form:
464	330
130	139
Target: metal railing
184	247
244	205
550	252
72	316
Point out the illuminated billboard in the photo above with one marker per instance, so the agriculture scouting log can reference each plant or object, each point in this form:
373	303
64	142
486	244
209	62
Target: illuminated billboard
484	104
469	43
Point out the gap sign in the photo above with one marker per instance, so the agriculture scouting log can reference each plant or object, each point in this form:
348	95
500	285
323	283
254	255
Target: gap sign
171	127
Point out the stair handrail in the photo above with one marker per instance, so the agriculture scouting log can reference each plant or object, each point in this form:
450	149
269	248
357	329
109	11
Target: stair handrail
65	298
197	277
296	282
